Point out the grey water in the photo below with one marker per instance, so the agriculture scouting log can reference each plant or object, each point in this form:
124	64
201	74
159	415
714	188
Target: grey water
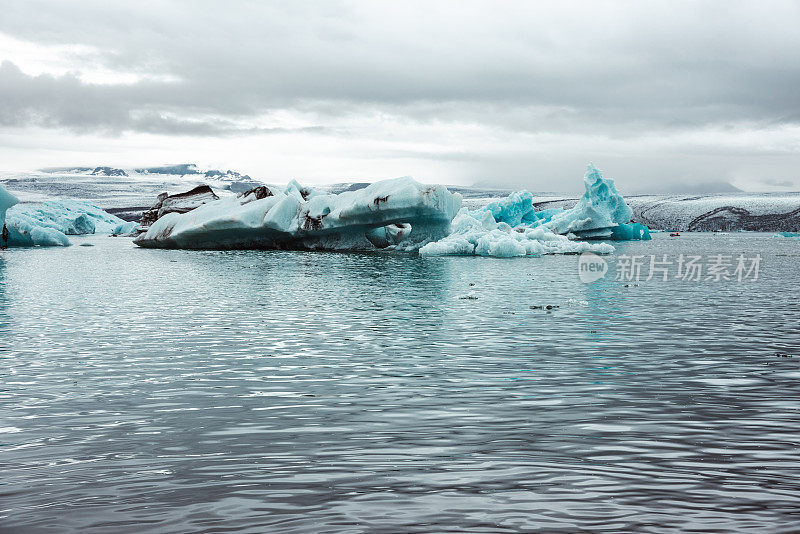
256	391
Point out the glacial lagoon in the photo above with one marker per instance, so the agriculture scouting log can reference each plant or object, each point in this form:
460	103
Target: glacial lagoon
200	391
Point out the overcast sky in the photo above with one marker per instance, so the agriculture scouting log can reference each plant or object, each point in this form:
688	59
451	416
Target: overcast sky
507	93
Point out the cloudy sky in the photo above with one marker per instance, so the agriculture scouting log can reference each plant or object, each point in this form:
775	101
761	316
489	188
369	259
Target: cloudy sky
658	94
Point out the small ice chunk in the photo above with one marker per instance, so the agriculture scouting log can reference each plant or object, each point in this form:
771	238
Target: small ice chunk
126	227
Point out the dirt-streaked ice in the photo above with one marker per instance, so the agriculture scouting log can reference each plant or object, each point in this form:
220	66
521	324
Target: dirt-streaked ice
296	217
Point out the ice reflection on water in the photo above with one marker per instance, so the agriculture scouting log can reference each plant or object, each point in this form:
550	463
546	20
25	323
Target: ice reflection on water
145	390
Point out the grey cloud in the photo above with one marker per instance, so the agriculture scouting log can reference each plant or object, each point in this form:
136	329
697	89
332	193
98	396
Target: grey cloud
159	124
66	101
656	67
627	72
55	101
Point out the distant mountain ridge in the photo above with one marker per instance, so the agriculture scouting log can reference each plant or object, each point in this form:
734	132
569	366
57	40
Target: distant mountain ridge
108	171
180	169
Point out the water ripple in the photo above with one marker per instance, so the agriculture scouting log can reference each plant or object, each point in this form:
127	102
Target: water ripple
179	391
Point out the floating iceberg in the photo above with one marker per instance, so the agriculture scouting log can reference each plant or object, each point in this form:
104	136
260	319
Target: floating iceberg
512	226
6	201
49	223
601	213
598	211
125	227
23	232
70	217
486	237
411	214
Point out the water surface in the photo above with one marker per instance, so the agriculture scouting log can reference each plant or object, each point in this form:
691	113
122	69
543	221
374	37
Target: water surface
184	391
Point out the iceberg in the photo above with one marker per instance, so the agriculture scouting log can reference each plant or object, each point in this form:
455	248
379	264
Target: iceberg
49	223
6	201
410	215
601	213
517	209
487	237
125	227
70	217
512	227
25	232
600	209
